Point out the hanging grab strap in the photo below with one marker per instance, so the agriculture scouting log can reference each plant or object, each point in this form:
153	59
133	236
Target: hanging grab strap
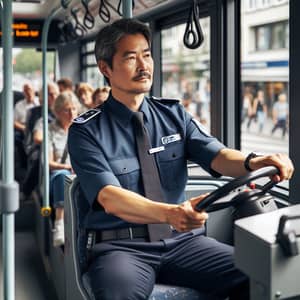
88	19
65	3
78	28
105	5
193	37
104	12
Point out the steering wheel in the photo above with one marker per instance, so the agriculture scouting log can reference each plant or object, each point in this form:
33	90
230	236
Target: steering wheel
209	202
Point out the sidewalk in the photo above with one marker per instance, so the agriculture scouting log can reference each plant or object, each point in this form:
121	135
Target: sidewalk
268	125
265	142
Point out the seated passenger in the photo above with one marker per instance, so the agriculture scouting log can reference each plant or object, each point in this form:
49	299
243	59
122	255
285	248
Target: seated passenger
23	106
65	109
33	140
65	84
84	93
20	112
100	95
130	159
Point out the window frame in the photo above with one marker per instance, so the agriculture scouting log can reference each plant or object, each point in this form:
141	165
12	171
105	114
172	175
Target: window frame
175	14
294	147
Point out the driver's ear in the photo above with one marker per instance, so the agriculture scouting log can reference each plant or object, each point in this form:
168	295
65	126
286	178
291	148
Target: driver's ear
104	68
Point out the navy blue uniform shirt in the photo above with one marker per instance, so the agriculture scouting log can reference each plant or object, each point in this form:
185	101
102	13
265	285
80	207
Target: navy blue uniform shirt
103	152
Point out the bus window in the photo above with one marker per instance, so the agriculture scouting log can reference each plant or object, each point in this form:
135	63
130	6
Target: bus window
27	67
90	72
186	72
265	76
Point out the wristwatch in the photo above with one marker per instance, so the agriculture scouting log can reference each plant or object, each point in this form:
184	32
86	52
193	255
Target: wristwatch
247	161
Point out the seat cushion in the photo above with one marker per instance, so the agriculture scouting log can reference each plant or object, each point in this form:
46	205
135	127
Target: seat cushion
167	292
160	292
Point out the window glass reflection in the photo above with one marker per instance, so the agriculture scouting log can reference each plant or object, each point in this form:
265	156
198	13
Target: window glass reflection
265	76
186	72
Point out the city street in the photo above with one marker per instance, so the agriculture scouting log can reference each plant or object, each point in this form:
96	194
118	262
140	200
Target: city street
252	140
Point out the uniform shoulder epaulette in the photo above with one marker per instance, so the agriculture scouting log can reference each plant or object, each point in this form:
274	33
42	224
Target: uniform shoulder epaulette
86	116
165	100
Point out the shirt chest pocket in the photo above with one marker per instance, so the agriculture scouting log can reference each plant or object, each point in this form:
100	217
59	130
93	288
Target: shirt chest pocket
172	165
127	171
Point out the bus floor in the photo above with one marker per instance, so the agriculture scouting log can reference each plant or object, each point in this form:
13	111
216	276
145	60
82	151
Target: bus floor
31	282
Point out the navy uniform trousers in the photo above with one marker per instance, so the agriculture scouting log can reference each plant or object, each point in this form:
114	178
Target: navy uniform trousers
129	269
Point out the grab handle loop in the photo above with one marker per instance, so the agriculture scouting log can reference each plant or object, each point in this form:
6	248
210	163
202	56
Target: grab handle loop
78	28
104	12
65	3
88	19
193	38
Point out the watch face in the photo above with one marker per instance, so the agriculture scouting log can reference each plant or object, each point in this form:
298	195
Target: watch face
253	155
258	154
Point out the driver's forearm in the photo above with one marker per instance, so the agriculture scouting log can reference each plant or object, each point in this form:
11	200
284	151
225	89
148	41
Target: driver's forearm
229	162
132	207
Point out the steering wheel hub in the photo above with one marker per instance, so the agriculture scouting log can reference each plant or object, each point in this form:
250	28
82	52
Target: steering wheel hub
246	203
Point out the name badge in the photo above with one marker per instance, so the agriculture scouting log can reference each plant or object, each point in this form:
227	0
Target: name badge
170	139
157	149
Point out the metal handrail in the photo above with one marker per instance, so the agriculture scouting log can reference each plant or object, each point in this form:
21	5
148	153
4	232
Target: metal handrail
9	190
46	209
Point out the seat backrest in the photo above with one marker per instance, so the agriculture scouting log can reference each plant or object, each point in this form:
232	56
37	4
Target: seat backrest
77	282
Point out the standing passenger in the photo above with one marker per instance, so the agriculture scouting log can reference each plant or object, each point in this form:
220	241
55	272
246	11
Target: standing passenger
145	233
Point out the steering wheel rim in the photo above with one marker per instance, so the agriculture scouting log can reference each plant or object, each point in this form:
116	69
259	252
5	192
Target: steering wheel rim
235	183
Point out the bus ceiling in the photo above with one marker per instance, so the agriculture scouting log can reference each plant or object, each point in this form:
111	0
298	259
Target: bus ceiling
102	11
78	19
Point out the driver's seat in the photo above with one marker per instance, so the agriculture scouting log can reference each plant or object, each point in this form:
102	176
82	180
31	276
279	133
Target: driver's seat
77	284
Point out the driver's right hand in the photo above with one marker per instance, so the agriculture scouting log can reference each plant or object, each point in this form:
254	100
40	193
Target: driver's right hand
184	217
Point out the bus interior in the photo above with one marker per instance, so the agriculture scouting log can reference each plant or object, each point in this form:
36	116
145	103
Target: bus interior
218	51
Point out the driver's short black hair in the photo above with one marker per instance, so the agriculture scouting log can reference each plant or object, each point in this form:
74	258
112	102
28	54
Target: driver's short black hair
109	36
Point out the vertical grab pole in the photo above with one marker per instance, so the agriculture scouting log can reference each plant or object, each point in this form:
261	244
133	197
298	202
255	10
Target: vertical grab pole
127	8
46	209
9	189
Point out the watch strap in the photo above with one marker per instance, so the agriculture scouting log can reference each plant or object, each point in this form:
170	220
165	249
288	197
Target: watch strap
247	161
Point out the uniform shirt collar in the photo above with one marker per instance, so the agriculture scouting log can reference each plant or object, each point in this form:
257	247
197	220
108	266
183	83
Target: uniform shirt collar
145	109
123	113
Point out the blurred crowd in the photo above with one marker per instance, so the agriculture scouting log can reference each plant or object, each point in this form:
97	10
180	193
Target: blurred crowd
65	102
256	110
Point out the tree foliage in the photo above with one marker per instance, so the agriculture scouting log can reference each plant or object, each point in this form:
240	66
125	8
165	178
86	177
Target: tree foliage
30	61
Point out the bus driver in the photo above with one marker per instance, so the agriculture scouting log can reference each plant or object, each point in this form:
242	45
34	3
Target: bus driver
130	157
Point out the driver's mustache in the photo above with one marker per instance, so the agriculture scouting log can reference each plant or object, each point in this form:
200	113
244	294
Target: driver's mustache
142	74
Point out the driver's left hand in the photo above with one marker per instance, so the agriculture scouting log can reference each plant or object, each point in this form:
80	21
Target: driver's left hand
281	161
